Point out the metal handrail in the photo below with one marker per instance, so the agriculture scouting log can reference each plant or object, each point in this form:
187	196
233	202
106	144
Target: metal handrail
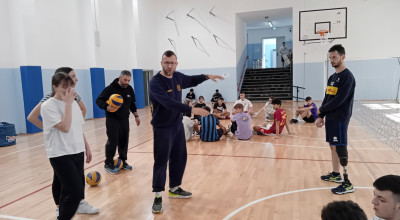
242	75
297	93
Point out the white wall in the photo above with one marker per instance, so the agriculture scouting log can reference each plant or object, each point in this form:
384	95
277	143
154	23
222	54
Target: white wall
256	35
50	33
368	23
115	24
146	32
189	56
6	49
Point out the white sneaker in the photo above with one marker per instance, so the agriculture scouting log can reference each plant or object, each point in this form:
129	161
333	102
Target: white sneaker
85	208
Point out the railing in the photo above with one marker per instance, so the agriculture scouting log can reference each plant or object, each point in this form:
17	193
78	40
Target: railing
239	86
297	93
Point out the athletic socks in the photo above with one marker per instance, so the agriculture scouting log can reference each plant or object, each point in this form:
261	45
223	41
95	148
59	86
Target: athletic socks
174	189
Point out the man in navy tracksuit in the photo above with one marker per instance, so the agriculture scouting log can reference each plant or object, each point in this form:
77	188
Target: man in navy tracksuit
117	120
337	107
169	135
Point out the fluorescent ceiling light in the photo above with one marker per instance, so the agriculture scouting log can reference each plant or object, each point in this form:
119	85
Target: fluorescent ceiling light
270	23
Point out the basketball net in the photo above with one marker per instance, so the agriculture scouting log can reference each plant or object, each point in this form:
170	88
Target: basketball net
323	36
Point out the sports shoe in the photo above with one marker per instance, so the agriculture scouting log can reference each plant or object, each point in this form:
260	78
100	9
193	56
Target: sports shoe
179	194
126	166
111	169
294	121
331	178
345	187
157	205
228	129
85	208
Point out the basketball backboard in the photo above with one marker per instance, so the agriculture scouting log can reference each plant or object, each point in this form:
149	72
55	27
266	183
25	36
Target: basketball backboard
311	22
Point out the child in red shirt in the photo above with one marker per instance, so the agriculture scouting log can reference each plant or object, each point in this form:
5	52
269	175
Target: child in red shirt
279	121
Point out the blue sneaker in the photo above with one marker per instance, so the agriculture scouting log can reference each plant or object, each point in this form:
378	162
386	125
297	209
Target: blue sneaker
111	169
126	166
331	178
343	188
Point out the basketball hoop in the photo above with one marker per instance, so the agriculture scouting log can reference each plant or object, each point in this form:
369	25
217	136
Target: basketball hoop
323	36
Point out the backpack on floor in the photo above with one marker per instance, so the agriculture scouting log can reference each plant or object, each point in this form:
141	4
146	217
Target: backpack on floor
8	135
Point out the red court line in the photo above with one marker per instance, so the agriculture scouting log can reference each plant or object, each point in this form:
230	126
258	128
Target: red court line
275	158
25	196
36	191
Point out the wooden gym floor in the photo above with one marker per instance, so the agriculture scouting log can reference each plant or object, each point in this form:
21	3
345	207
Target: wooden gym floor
263	178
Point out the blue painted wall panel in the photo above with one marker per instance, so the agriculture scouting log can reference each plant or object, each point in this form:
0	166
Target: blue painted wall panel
98	84
139	87
32	88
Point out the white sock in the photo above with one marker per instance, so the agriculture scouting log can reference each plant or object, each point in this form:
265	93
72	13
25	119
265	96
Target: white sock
174	189
158	194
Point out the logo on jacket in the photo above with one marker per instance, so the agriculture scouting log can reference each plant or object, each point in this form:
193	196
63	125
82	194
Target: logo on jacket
335	139
178	87
331	90
128	96
338	79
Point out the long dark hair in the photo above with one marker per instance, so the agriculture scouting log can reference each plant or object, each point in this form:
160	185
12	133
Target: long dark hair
58	78
66	70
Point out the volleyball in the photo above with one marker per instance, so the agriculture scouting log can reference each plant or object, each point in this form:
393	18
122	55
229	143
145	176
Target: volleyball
93	178
115	100
118	163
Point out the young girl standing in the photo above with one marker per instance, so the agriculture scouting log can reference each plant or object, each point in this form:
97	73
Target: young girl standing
65	143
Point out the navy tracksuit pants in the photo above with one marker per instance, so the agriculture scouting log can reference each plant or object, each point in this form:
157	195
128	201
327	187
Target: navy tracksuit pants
169	146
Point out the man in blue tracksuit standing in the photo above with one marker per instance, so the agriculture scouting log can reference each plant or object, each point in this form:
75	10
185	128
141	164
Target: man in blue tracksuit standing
337	108
169	135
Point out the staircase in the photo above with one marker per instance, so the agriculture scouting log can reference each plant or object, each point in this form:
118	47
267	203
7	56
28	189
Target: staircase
260	84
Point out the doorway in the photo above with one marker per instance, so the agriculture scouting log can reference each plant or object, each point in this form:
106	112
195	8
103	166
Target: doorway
269	53
147	75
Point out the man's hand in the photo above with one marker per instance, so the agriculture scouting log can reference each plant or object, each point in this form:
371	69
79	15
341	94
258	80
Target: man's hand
215	77
113	109
200	111
320	122
137	121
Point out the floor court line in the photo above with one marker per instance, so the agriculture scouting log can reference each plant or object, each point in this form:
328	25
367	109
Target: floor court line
280	194
14	217
21	150
311	146
274	158
372	139
36	191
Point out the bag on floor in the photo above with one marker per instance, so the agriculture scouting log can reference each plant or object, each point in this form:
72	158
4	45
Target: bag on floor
8	135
